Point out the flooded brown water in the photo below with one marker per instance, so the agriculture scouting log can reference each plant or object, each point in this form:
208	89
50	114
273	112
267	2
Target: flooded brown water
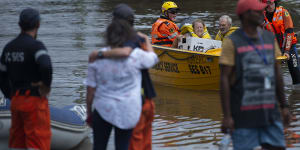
71	29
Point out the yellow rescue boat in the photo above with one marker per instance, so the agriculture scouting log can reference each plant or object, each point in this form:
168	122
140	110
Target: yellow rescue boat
187	69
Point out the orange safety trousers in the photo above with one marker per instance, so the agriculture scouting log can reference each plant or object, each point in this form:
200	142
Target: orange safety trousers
30	122
141	138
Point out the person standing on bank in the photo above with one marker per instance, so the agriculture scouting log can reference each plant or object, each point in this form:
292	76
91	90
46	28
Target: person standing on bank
141	137
26	69
164	30
279	21
251	83
115	93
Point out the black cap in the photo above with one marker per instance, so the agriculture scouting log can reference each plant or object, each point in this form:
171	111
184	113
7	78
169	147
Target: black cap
29	19
123	11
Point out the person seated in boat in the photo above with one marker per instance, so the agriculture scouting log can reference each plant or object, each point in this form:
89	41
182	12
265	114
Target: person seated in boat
196	29
164	30
225	27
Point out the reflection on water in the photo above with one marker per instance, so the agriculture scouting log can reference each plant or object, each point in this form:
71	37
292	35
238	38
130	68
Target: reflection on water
293	133
71	29
186	119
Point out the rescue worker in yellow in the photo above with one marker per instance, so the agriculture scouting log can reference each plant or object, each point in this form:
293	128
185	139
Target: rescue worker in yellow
225	27
279	21
164	30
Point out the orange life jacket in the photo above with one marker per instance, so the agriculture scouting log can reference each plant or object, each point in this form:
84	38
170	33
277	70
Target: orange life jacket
280	22
164	32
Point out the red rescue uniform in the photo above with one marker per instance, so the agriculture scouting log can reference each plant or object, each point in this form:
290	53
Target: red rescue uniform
141	138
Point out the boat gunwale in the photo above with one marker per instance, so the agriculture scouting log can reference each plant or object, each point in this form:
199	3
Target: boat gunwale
184	51
201	53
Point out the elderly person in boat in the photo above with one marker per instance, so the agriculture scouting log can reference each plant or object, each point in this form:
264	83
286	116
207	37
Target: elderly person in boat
225	27
200	29
196	29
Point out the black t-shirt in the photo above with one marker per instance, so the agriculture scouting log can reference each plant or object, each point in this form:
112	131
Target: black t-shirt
147	85
25	60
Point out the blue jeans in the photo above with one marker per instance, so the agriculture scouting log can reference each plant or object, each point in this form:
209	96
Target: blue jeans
102	130
249	138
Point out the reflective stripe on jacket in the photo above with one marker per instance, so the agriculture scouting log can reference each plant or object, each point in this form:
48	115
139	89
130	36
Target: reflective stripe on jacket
164	32
280	22
220	36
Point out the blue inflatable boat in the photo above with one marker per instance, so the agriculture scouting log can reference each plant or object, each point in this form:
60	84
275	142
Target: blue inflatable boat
68	125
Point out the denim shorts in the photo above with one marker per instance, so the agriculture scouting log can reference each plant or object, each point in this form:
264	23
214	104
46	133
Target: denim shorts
249	138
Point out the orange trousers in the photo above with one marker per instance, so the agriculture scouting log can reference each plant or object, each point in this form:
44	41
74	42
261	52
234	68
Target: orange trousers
30	122
141	138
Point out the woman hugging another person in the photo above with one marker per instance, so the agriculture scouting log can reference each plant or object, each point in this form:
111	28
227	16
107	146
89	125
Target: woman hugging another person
114	87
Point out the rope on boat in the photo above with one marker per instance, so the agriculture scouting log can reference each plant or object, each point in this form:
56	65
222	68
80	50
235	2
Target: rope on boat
165	52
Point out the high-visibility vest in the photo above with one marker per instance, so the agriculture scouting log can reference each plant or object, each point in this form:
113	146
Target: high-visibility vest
164	32
220	36
280	22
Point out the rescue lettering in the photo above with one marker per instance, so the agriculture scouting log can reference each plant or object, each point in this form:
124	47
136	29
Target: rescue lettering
200	60
167	67
14	57
199	69
198	48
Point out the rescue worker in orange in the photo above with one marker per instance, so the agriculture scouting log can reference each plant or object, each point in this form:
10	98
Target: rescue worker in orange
164	30
279	21
25	78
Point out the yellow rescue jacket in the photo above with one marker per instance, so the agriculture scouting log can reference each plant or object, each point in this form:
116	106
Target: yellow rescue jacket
220	36
188	28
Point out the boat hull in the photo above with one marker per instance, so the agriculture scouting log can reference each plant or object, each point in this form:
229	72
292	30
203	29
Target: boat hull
187	69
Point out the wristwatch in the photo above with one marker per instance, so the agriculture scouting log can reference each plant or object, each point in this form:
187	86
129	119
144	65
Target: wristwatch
100	55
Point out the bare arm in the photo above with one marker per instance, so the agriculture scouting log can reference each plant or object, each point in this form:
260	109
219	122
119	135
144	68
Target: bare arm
226	71
114	53
225	89
287	117
175	43
279	86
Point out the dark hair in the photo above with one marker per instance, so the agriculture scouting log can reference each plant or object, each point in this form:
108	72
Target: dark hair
119	32
123	11
29	19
